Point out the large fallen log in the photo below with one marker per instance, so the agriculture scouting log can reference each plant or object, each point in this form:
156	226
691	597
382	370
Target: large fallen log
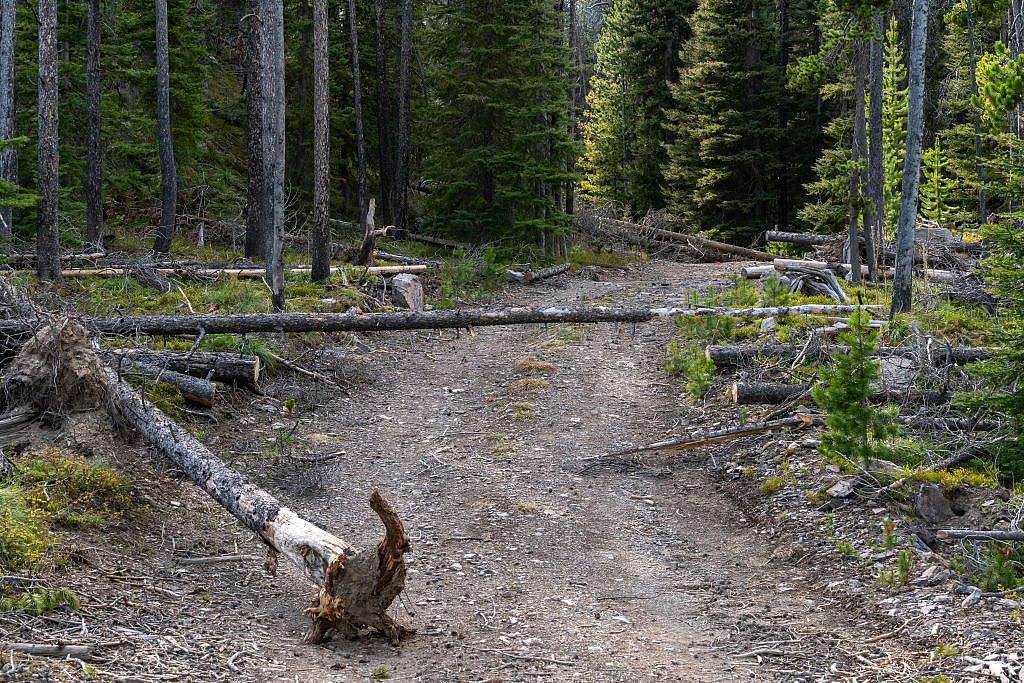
229	368
981	534
692	241
740	356
539	274
405	260
687	443
782	265
755	393
242	273
241	323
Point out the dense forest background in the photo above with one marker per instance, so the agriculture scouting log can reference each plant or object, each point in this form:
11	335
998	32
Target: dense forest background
738	117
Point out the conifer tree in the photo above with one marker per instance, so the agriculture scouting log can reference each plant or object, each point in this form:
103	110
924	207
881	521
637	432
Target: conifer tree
723	162
624	130
894	122
498	129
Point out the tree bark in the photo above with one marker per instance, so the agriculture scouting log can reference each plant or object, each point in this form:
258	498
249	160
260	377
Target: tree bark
194	389
168	169
876	172
229	368
320	239
539	274
273	126
858	157
741	356
754	393
8	121
357	100
979	163
48	236
384	147
901	289
404	102
94	144
173	325
255	231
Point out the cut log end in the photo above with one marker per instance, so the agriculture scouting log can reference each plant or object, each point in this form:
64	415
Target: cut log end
358	589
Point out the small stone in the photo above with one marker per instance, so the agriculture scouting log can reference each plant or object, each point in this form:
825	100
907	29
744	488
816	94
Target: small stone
932	505
769	325
973	598
842	488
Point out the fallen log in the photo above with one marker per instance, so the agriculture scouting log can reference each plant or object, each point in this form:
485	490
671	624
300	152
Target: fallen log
435	241
980	534
194	389
150	277
173	325
357	586
240	273
754	393
61	650
542	273
740	356
692	241
720	436
940	276
949	424
229	368
405	260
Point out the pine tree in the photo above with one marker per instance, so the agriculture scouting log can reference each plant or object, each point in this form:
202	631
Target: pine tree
935	190
894	122
498	129
623	129
724	160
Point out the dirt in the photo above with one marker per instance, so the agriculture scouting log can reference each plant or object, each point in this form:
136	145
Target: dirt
526	565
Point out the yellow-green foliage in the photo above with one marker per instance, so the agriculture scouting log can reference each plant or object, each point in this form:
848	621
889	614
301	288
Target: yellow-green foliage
24	538
527	384
534	366
772	485
40	602
70	490
580	258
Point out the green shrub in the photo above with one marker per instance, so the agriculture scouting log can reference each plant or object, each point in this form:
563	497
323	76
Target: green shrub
41	602
24	538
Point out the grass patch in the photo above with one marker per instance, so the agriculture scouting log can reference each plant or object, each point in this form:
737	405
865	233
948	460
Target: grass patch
582	257
534	366
523	410
527	385
772	485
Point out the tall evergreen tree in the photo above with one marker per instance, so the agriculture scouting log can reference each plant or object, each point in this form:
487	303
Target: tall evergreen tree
724	160
498	129
894	123
623	129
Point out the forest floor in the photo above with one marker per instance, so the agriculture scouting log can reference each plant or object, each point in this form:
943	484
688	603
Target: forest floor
526	566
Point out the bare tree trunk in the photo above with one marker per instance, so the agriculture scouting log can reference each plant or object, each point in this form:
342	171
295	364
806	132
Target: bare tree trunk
876	174
8	127
384	148
976	116
255	234
272	120
901	288
94	145
858	157
168	170
320	239
404	100
357	90
48	236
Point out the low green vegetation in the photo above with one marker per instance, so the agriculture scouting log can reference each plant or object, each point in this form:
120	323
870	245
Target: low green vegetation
51	487
39	602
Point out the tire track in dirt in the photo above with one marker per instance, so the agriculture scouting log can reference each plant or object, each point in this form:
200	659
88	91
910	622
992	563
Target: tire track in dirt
525	568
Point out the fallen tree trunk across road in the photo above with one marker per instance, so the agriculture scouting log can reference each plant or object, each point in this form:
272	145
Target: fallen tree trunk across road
740	356
241	323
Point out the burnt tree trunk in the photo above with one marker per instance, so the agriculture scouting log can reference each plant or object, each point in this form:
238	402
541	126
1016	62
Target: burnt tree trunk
8	122
229	368
255	234
357	96
168	169
404	102
48	235
385	149
320	239
272	120
858	154
93	144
